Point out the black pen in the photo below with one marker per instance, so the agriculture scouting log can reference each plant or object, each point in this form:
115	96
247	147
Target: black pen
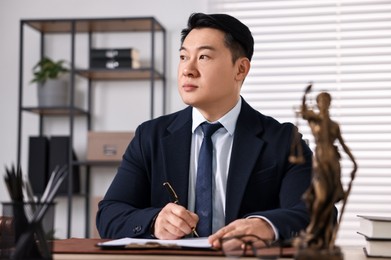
175	199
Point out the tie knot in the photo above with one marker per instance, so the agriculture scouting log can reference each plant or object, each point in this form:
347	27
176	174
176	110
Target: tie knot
209	129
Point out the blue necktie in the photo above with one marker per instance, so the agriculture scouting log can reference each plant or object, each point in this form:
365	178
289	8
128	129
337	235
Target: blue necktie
203	202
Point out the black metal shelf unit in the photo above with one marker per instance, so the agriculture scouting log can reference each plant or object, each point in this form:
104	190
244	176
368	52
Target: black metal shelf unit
90	26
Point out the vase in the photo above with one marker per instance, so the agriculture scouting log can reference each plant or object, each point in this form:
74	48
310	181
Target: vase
53	93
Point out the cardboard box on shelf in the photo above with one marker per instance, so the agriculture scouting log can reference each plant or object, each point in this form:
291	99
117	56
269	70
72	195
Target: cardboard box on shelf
107	146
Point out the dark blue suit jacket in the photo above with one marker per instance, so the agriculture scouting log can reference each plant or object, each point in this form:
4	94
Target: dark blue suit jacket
261	181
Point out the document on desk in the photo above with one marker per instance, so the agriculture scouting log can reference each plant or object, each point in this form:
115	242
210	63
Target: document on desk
141	243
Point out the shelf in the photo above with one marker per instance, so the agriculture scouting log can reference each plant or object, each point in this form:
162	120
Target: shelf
95	25
98	163
55	111
89	27
119	74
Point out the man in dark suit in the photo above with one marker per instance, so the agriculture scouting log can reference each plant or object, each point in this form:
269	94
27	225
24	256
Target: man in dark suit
256	190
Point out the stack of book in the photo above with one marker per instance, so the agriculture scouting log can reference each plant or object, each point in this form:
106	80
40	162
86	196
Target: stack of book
377	233
115	58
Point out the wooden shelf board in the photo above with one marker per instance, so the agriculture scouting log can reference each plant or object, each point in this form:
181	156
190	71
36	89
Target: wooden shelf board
55	111
95	25
118	74
98	163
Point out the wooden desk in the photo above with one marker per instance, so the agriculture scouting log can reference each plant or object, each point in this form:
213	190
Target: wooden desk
75	248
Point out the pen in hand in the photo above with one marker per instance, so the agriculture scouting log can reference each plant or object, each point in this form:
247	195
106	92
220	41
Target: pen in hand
175	199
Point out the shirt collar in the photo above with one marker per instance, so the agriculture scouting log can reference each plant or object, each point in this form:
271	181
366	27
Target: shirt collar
228	120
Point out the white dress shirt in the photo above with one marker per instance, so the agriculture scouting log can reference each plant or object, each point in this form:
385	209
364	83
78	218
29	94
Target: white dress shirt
222	144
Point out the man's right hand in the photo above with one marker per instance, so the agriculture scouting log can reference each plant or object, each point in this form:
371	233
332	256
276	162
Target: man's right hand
174	222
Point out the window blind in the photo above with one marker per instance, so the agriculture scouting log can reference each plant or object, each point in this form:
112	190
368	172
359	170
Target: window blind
344	48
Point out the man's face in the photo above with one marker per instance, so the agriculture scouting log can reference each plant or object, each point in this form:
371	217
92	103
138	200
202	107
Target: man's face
207	78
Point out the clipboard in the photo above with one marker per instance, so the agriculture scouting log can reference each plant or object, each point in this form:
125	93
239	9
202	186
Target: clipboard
140	243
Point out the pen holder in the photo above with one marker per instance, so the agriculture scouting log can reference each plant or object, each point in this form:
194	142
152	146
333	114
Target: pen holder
22	238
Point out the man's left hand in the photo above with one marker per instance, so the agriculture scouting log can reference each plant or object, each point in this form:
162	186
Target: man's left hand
249	226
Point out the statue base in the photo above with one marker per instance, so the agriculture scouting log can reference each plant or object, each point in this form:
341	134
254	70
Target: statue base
319	254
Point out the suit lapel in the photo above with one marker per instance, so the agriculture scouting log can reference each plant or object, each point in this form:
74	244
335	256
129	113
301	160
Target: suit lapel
176	154
246	148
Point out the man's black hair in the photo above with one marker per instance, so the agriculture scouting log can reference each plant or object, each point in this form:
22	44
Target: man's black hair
238	37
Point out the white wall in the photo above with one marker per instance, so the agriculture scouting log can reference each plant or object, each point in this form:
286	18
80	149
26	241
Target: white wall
172	14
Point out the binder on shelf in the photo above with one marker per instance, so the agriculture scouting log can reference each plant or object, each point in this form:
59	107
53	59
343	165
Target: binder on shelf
117	53
59	155
38	163
111	63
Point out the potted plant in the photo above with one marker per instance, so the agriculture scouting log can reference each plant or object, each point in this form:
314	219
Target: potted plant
52	84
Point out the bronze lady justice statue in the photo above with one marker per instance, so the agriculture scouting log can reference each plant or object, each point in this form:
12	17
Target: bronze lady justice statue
326	187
